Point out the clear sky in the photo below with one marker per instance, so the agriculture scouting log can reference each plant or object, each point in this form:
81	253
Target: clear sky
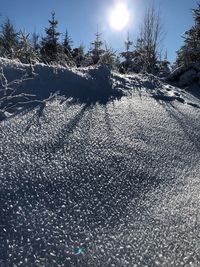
81	17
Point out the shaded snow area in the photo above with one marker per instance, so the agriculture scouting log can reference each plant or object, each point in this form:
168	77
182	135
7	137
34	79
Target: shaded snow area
92	183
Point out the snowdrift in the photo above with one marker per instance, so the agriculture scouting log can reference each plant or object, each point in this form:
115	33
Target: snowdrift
90	84
91	183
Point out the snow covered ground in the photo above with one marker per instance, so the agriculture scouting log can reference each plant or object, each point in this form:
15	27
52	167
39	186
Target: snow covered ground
106	182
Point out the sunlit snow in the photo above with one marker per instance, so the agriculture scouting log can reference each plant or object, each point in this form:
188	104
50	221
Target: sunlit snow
102	184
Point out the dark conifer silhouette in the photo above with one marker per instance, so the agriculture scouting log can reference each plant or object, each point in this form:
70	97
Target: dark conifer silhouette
50	43
189	53
127	64
97	50
67	45
9	40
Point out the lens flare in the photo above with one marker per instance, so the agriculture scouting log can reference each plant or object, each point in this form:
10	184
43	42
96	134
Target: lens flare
119	17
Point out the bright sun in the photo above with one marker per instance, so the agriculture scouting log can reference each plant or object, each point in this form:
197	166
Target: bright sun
119	18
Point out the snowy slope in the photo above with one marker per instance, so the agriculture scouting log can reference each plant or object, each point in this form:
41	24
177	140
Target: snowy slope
100	183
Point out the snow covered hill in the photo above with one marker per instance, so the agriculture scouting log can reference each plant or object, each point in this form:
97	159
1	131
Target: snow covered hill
87	180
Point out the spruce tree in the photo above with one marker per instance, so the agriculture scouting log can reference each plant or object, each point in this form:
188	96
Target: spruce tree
163	66
1	46
138	56
127	64
9	40
26	52
97	51
66	52
78	56
189	53
51	49
67	45
151	36
109	57
35	42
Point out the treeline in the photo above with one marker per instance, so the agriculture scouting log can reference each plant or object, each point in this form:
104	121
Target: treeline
50	49
142	56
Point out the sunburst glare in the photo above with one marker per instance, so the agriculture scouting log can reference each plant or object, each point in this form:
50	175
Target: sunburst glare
119	17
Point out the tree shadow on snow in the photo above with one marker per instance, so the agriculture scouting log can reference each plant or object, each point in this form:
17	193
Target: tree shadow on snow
187	124
67	209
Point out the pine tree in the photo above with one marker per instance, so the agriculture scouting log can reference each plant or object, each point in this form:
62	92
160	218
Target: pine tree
26	52
163	66
67	45
78	56
66	52
138	56
51	49
109	57
9	40
151	36
189	53
97	51
35	42
1	46
127	64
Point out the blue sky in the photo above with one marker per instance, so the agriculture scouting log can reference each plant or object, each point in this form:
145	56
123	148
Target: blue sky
81	17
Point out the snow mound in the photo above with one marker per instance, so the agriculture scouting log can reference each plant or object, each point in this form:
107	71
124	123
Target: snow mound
87	183
87	84
83	84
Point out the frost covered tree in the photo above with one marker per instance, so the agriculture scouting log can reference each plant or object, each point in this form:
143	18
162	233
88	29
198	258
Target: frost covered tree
65	51
67	45
127	64
78	56
97	51
26	52
189	53
9	40
1	46
164	66
138	55
144	57
151	36
35	43
50	47
109	57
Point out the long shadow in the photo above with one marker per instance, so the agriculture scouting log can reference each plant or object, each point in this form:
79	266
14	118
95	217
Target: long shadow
185	123
183	120
79	203
63	135
36	117
106	205
28	192
167	98
108	123
68	130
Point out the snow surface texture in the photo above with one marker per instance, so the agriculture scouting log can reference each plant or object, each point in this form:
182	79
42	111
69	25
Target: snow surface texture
86	183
